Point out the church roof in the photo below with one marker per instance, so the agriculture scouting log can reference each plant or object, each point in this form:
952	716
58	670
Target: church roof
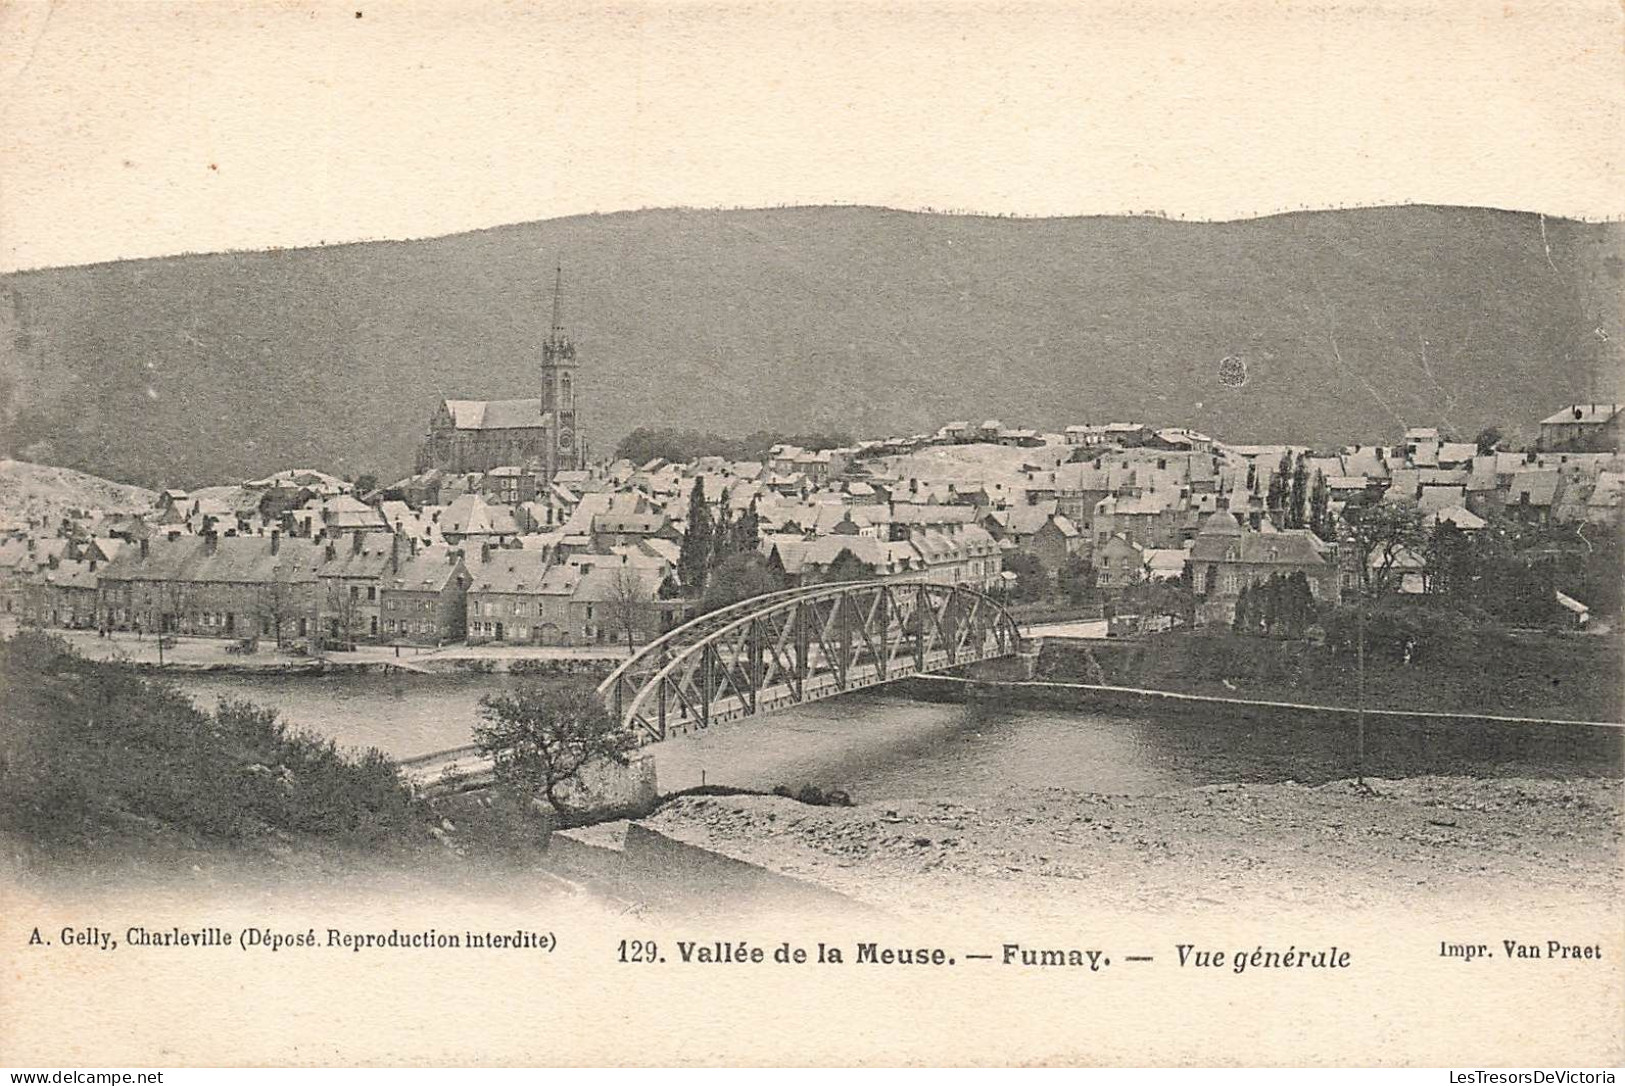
495	414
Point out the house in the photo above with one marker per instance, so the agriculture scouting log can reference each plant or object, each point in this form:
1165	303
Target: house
521	597
1582	427
617	602
348	585
1151	519
424	599
1422	447
215	586
1532	494
472	520
1119	563
511	484
1225	558
64	594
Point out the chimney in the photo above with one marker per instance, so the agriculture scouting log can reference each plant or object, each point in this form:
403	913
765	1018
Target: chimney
329	552
452	554
355	542
276	541
485	552
143	546
211	542
394	553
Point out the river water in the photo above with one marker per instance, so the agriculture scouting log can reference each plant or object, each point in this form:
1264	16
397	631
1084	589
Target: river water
877	746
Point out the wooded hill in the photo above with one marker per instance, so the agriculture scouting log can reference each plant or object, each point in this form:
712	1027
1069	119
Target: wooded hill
209	368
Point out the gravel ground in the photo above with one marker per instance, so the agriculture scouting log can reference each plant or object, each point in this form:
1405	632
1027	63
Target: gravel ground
1435	841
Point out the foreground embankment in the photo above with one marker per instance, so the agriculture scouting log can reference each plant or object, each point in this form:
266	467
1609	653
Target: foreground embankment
1550	676
1442	841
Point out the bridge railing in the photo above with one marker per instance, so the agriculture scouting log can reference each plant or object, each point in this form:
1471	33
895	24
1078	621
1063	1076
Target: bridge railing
893	604
694	626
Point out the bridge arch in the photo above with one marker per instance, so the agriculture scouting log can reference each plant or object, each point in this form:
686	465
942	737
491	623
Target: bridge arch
802	645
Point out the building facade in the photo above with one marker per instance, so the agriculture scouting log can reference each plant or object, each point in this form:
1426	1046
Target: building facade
542	434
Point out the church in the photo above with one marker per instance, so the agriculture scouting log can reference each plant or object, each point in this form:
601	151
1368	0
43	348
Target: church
539	434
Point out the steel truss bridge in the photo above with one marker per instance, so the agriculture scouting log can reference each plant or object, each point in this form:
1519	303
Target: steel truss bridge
802	645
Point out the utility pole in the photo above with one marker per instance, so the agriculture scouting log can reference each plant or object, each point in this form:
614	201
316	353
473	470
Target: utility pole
1359	702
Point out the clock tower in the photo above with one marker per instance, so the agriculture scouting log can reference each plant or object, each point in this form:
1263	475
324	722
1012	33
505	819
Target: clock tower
559	390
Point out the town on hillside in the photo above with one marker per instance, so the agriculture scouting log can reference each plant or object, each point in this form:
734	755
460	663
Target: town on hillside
509	534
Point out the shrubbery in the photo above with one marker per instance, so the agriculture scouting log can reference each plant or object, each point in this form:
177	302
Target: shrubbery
92	750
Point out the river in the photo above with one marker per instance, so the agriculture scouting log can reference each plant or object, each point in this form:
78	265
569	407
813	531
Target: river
875	746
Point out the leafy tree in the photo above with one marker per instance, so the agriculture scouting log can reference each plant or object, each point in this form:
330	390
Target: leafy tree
848	567
1379	535
541	736
1032	579
1298	493
747	531
365	484
739	577
1275	500
1076	579
1320	508
1282	606
1488	440
695	558
1242	622
722	538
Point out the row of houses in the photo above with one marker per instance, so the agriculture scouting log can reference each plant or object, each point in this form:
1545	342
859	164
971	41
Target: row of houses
364	587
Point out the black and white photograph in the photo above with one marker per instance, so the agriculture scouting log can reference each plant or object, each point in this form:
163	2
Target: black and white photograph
845	534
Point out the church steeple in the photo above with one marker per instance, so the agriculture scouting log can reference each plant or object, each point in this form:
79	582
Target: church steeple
558	388
558	345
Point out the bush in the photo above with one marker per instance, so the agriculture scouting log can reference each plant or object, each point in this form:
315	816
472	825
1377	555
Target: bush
92	747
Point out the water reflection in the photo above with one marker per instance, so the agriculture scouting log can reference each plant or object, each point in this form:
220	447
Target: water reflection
876	746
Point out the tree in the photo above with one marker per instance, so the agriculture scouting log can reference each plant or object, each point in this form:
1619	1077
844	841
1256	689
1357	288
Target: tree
1320	507
1488	440
1076	579
540	738
738	578
341	611
628	602
365	484
1279	479
695	558
1379	535
1245	612
722	538
748	531
276	603
1298	494
1032	579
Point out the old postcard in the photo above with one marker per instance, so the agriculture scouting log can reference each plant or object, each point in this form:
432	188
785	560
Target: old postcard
819	534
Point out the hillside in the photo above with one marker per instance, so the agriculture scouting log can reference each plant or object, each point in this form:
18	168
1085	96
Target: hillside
41	494
197	369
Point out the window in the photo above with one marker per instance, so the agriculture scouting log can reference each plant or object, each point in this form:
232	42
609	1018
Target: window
372	592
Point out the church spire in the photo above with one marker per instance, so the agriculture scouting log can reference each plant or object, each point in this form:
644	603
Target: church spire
558	302
558	346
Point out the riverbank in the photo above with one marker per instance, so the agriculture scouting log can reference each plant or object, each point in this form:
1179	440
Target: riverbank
206	655
1567	677
1428	842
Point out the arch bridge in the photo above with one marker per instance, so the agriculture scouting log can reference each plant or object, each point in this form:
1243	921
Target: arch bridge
802	645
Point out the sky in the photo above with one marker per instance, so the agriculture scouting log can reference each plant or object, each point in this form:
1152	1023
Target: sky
141	129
